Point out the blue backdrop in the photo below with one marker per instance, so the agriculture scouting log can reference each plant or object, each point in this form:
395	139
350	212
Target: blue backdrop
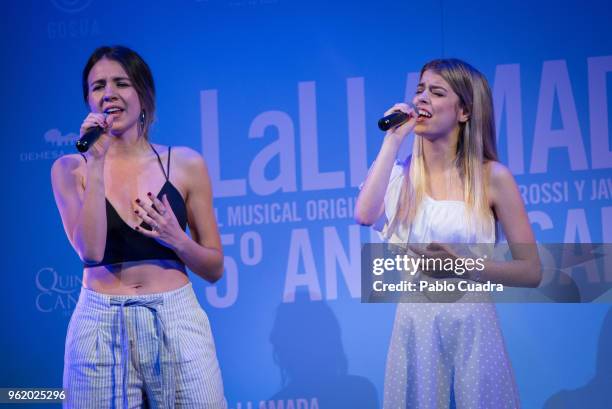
282	98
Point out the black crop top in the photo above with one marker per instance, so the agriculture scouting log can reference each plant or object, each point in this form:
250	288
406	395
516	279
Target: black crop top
123	243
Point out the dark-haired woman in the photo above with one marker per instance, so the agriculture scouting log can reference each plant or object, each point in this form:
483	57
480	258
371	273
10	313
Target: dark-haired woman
138	336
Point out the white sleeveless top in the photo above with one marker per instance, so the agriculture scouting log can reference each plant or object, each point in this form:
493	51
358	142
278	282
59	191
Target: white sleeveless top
443	221
439	344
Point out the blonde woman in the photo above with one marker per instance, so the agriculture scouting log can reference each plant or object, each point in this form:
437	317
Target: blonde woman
450	190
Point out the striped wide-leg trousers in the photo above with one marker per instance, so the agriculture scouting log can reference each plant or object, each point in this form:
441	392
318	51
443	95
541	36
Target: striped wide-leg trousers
145	351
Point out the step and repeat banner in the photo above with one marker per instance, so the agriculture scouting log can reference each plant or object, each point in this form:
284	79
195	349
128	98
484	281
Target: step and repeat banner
281	97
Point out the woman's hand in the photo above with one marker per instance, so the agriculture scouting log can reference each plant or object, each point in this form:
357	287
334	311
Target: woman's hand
400	132
165	228
436	254
100	147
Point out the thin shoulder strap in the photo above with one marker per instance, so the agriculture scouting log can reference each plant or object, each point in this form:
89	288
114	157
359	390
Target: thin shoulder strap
160	162
168	167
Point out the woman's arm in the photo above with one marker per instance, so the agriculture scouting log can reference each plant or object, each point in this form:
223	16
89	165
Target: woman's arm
370	202
81	204
525	269
78	187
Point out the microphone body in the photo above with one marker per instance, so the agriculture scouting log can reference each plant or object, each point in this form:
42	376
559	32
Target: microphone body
392	120
89	138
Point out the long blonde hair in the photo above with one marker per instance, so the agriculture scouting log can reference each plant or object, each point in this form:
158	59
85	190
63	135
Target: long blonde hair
476	144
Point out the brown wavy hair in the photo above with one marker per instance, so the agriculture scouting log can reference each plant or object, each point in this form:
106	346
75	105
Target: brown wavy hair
139	74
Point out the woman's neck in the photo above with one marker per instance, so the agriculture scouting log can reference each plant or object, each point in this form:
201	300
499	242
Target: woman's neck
129	145
442	175
440	153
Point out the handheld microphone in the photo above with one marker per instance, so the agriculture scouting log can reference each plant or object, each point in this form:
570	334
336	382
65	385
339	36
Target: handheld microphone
392	120
395	119
90	137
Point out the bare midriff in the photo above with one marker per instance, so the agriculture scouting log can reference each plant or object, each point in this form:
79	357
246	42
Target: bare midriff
136	277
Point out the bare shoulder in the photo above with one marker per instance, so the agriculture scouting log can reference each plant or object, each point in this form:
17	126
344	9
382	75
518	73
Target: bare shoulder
66	165
183	158
187	158
189	169
499	174
500	180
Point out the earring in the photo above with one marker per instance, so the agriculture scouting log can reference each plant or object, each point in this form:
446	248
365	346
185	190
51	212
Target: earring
142	117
